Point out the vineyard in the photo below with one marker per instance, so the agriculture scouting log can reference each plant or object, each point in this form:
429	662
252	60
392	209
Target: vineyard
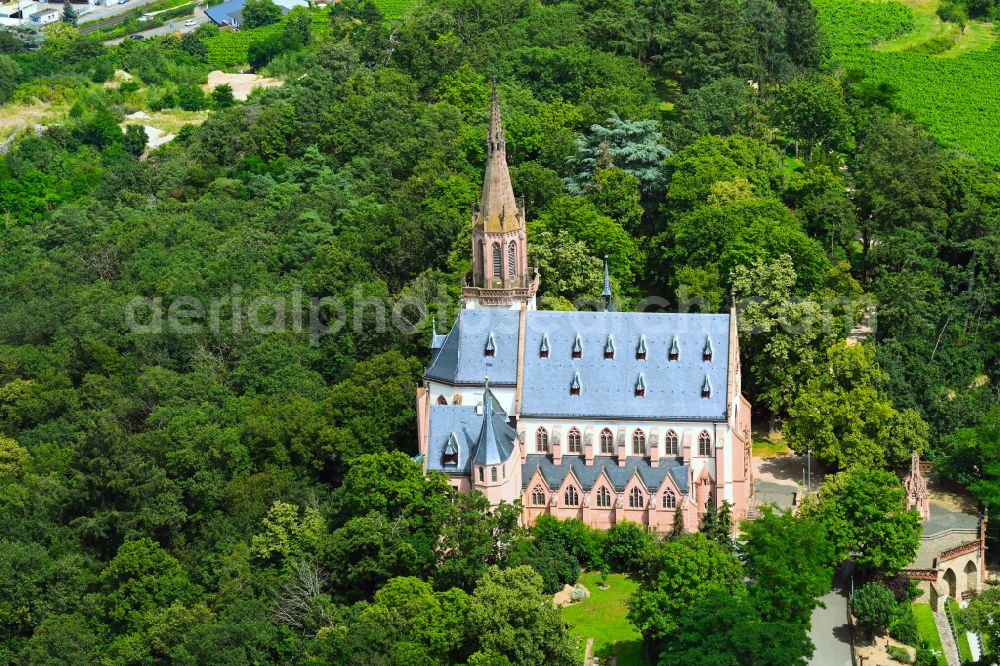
393	9
945	76
229	49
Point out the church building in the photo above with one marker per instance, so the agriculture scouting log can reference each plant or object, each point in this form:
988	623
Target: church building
603	416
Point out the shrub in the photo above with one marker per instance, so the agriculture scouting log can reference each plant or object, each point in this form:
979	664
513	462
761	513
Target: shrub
874	606
582	542
904	626
624	545
556	566
925	657
222	96
103	71
191	98
898	654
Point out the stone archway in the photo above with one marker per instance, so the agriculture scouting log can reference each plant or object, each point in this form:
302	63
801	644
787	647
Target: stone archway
971	576
952	582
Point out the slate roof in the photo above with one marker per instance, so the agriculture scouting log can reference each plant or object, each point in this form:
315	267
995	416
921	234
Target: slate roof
496	438
673	388
221	13
652	477
461	358
489	442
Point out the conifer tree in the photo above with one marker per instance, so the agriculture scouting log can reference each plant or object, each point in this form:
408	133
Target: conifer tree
69	15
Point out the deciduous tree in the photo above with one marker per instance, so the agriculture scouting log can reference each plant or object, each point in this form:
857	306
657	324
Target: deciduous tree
864	513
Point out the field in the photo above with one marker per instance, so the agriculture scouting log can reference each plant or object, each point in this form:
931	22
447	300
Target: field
944	75
928	630
603	618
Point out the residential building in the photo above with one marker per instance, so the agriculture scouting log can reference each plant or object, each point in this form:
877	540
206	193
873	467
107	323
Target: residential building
231	12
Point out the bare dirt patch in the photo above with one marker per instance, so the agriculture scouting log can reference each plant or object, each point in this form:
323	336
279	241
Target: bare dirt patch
242	84
562	597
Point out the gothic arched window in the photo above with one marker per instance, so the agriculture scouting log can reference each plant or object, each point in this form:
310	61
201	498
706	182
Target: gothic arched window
638	442
538	496
670	443
635	499
541	440
704	444
511	256
607	442
497	261
571	496
573	439
442	400
603	498
669	500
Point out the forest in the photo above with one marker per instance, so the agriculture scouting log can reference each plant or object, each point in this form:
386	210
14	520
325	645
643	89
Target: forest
242	490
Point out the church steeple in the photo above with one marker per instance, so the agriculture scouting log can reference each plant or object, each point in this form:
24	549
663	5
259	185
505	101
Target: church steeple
498	209
500	274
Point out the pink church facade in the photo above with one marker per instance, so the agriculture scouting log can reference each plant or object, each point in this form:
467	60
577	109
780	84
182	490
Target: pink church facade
601	416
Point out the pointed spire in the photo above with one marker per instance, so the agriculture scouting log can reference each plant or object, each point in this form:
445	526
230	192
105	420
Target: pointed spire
606	293
498	208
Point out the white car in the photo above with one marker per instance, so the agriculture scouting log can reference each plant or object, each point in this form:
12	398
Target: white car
190	23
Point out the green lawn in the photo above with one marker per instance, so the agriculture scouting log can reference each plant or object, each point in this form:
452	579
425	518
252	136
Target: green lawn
928	630
964	650
768	445
603	618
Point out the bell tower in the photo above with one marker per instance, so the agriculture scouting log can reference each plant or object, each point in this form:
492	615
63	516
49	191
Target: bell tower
500	275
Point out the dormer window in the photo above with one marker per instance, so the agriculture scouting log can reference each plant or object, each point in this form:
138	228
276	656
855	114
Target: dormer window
574	387
609	347
706	353
491	346
543	348
640	350
577	346
640	386
449	455
706	388
675	349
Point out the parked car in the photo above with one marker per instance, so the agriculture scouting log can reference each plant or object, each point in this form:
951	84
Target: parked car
144	18
136	36
190	23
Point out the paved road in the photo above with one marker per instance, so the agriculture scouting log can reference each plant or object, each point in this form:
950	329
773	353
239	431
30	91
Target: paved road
165	29
830	632
103	12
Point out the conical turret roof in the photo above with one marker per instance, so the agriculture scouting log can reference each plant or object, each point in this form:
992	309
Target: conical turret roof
496	439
